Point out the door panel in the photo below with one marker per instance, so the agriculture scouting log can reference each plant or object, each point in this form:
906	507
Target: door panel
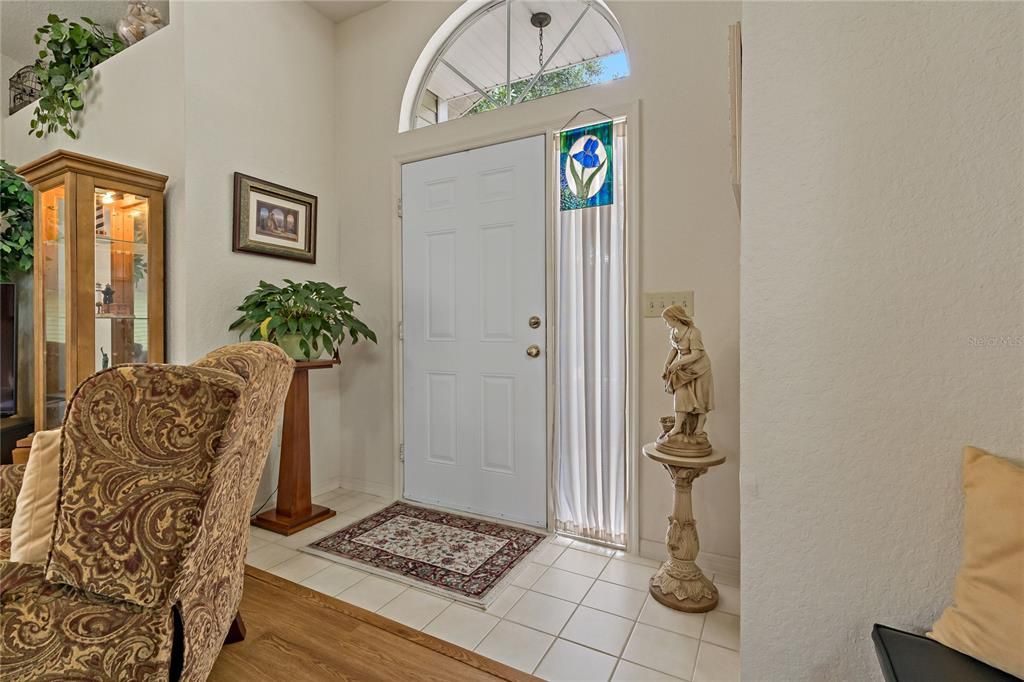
473	234
442	417
497	406
496	285
440	290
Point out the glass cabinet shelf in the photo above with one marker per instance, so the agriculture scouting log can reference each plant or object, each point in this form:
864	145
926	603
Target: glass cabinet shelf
121	265
108	240
99	236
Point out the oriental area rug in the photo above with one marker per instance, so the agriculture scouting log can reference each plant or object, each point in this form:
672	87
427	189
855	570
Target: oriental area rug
456	556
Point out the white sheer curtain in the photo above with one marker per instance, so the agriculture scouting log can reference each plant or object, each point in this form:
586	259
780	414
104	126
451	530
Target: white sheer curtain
590	401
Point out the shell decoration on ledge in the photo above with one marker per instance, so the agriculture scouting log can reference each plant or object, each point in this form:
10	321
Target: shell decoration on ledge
140	22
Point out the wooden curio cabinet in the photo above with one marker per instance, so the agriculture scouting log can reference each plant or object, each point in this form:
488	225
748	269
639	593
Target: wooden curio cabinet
98	272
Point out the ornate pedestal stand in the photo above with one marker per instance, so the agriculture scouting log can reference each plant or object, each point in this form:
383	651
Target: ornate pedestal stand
679	583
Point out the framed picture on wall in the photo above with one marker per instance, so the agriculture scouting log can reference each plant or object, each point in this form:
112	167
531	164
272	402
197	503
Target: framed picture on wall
273	220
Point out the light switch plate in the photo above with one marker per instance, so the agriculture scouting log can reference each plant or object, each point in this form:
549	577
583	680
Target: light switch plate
657	301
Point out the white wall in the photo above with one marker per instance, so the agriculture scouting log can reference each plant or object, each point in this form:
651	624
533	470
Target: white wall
213	93
8	67
321	115
883	233
260	100
134	115
689	237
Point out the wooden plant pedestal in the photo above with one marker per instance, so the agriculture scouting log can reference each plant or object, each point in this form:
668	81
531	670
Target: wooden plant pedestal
679	583
295	510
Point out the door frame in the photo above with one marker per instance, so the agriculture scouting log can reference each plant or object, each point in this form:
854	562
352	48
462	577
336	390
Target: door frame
631	110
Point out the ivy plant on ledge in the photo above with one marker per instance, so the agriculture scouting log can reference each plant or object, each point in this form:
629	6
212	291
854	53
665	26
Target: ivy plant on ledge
64	69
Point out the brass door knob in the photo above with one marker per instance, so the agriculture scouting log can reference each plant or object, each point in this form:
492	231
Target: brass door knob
533	351
534	322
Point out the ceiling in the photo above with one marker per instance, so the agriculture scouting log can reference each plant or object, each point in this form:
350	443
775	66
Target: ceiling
480	52
340	10
21	18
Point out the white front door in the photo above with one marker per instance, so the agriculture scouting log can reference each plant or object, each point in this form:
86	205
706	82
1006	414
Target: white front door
473	244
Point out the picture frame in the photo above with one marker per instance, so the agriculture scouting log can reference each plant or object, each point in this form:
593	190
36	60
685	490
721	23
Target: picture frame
273	220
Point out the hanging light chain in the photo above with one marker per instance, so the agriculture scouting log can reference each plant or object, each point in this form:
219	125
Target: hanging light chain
540	55
540	21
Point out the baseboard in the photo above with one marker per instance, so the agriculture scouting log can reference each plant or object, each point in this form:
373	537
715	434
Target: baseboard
363	486
719	564
724	567
326	485
652	549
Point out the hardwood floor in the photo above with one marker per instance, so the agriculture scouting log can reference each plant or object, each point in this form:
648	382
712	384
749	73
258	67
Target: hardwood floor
296	634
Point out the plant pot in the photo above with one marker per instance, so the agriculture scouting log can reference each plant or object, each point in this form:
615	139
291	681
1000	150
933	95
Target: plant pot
289	343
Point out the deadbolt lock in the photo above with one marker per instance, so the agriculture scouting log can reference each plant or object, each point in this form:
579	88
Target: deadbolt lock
534	322
533	351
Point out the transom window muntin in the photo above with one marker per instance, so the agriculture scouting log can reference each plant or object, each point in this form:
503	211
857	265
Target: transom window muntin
497	57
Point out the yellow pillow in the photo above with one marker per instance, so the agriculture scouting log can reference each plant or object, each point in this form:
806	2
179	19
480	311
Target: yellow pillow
36	508
986	620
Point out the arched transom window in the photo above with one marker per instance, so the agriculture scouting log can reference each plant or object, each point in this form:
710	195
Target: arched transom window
498	53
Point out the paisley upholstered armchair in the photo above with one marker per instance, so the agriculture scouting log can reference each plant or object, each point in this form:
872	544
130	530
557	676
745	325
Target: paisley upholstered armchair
159	468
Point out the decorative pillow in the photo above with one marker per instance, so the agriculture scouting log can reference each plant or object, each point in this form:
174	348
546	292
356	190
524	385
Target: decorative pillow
986	620
36	508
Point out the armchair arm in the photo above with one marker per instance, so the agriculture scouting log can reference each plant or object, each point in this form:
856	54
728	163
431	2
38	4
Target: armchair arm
11	476
139	445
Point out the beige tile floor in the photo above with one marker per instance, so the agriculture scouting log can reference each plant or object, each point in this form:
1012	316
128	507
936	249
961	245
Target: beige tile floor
576	611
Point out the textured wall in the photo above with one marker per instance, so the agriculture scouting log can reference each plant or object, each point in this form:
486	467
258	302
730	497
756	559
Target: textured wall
689	226
213	93
882	237
8	67
259	81
218	94
134	115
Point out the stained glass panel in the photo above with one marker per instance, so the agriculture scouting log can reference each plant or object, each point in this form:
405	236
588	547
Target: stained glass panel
586	167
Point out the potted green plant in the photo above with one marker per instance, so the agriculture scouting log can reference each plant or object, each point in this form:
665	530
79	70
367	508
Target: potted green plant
306	319
15	223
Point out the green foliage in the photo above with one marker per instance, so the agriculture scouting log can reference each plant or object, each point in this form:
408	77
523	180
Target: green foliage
139	264
550	83
317	312
64	69
571	201
139	268
16	229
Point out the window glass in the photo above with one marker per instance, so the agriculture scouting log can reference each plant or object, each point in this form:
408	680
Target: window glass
509	51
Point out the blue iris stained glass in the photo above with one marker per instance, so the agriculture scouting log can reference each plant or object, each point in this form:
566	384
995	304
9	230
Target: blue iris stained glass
586	167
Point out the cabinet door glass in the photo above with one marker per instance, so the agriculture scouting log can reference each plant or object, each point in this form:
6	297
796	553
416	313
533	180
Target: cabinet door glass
54	306
122	290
